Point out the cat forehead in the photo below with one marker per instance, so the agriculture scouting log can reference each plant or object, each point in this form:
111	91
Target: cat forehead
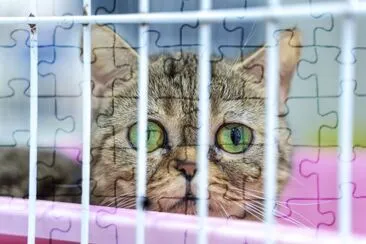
176	76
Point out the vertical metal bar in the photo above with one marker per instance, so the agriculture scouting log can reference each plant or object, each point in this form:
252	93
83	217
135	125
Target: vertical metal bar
86	126
272	97
33	128
143	74
203	123
345	132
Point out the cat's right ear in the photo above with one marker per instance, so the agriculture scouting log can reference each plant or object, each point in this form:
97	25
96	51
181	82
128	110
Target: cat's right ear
113	60
289	43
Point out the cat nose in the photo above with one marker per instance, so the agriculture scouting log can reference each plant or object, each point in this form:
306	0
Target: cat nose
188	169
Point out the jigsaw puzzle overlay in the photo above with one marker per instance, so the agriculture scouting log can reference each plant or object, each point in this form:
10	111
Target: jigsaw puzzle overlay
311	197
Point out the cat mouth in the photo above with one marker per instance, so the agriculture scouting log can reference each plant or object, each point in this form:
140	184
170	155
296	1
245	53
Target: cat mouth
189	197
187	201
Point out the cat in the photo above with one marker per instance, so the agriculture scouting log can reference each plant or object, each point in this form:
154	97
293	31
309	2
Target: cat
58	177
237	129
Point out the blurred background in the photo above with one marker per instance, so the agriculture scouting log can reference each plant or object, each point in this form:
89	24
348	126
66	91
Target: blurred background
312	106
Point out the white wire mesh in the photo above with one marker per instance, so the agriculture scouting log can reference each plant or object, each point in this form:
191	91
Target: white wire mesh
272	86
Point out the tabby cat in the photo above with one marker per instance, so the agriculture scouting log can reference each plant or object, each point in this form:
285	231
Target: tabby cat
237	128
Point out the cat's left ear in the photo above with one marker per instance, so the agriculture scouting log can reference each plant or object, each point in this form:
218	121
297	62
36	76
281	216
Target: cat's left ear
113	60
289	53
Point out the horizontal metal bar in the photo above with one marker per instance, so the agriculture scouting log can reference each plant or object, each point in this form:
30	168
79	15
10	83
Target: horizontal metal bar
257	13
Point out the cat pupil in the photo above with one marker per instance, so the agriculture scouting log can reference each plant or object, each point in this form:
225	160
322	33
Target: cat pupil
235	136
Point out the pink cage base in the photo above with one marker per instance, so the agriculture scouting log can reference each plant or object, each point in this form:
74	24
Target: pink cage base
310	200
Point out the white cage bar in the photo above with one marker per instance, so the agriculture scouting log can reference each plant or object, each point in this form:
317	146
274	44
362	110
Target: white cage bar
143	76
270	13
345	132
272	94
86	96
33	128
204	78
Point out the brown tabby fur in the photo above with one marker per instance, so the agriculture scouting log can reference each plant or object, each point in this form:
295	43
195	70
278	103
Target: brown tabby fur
237	95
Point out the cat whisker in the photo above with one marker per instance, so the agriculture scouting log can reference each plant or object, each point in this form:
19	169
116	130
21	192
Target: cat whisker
223	208
112	200
255	209
123	203
254	213
109	199
222	214
285	205
260	206
259	210
251	34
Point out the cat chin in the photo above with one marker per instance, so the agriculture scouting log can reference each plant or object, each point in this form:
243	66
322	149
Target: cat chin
188	206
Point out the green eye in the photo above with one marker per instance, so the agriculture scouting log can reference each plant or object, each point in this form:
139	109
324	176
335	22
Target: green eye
155	136
234	138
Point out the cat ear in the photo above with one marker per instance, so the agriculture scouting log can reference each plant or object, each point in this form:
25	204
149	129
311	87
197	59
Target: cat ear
112	58
289	53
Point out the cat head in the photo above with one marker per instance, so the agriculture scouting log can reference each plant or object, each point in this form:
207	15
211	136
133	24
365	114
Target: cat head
236	131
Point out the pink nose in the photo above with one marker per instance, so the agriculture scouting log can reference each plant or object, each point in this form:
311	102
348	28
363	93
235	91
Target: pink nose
188	169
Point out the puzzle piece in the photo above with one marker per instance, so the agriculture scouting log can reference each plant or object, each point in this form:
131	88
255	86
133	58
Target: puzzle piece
114	7
108	228
174	37
67	34
325	82
312	186
359	100
12	122
56	223
358	203
64	69
59	36
359	132
317	180
360	59
10	53
324	121
314	170
307	213
50	124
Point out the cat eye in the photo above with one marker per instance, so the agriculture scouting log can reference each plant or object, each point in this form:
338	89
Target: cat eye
155	136
234	138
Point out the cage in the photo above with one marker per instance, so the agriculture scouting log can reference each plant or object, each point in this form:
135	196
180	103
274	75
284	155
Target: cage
323	201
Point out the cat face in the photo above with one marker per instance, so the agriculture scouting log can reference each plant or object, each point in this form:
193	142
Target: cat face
237	129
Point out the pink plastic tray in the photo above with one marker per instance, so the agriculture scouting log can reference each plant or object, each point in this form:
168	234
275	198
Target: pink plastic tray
310	202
